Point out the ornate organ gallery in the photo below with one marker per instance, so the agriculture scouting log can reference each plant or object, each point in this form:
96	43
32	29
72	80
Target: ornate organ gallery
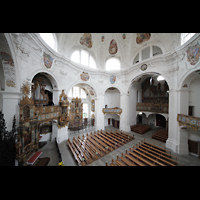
36	117
155	98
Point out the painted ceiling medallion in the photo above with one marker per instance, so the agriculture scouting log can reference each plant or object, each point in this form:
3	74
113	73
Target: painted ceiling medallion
7	58
124	36
113	47
144	67
193	54
86	40
112	79
48	60
102	38
85	76
142	37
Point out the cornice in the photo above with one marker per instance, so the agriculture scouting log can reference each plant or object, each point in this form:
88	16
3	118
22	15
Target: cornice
167	58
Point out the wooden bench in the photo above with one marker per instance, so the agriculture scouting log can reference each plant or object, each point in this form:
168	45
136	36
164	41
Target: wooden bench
127	161
96	144
110	146
140	128
141	157
95	137
117	138
77	156
107	134
129	137
110	140
130	155
94	148
161	135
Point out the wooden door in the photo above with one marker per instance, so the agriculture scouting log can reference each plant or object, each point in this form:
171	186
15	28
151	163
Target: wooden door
108	121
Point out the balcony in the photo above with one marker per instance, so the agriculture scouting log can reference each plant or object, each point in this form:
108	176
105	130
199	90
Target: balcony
189	121
115	110
151	107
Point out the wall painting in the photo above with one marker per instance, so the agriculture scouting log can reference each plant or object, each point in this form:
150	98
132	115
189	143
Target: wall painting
142	37
86	40
48	60
113	47
85	76
193	54
112	79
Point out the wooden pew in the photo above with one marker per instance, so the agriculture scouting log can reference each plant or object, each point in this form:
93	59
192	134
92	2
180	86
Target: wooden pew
117	138
94	148
83	154
120	136
107	134
132	157
107	149
102	149
129	137
90	150
109	145
141	157
111	141
127	161
119	162
76	154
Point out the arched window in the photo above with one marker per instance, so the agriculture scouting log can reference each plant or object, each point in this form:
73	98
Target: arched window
147	52
50	39
185	37
112	64
77	92
84	58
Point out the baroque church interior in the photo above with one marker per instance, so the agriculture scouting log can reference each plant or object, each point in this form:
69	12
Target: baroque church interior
99	99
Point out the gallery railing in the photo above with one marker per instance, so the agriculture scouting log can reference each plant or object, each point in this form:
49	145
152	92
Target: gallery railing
189	121
115	110
150	107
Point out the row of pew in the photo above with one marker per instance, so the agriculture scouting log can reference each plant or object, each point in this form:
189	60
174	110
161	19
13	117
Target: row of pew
161	135
145	154
140	128
90	147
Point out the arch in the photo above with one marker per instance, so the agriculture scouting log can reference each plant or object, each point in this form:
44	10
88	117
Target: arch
187	77
48	74
81	82
112	87
148	73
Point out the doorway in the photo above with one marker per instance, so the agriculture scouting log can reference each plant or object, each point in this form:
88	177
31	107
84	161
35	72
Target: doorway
160	121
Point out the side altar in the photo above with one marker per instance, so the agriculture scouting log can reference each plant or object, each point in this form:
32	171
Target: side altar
35	120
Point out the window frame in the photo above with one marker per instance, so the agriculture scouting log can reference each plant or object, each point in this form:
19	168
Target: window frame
46	42
80	55
113	58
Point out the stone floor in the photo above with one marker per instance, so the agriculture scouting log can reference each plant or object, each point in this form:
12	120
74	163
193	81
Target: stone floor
50	150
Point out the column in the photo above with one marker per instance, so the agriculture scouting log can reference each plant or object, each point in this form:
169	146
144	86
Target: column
99	105
124	120
182	134
171	142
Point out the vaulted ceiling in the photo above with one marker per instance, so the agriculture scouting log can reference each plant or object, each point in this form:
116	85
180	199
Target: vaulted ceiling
127	48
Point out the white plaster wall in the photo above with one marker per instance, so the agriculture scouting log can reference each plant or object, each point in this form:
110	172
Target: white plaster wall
172	65
194	96
112	98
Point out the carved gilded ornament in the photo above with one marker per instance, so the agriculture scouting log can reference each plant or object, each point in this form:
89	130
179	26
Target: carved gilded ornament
189	121
25	89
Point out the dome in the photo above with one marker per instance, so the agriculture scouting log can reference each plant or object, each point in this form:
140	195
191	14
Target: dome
124	46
